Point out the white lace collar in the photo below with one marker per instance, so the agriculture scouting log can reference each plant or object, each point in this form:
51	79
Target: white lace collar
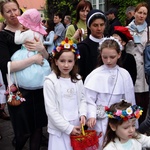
95	39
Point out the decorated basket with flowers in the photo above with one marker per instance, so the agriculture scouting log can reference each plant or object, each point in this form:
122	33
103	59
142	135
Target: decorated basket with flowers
88	140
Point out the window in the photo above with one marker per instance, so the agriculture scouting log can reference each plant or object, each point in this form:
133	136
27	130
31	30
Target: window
98	4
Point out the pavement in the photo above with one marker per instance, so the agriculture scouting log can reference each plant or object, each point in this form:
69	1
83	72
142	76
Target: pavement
7	134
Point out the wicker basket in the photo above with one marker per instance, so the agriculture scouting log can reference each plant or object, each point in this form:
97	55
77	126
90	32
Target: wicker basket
87	141
12	99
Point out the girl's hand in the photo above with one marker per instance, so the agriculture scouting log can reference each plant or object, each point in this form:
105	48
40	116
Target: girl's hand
91	122
76	130
38	59
83	120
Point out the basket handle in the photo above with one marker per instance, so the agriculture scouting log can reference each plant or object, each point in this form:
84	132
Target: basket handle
9	77
82	129
100	134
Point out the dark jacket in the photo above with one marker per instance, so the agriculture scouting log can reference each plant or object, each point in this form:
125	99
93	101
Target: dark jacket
89	54
112	23
129	63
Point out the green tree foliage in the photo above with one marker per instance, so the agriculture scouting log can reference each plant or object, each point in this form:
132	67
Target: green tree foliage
122	5
66	7
1	19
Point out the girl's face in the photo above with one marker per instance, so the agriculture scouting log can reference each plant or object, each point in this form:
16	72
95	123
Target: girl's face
65	63
140	15
83	13
126	130
116	36
97	28
10	13
110	57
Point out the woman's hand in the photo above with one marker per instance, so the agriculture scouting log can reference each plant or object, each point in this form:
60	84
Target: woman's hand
22	64
77	35
36	45
85	32
38	59
76	130
91	122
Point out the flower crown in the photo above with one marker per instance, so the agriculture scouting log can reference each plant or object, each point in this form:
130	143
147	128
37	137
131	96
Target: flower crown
131	112
69	45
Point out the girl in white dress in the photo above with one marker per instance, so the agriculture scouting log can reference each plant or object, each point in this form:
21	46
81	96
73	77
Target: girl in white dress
106	85
121	133
65	103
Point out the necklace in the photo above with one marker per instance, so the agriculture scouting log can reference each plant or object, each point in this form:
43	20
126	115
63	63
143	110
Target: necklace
100	108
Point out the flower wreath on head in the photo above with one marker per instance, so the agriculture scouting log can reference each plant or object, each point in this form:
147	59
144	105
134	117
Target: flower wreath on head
67	45
111	38
129	113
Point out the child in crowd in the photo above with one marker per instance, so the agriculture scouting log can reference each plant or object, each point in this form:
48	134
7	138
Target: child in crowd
121	133
106	84
128	61
33	30
65	103
31	22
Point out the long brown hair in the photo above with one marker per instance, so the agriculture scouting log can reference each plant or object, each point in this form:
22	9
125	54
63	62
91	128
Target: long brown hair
50	25
73	73
81	5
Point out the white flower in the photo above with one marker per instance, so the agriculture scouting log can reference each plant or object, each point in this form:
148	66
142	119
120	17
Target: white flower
67	45
129	111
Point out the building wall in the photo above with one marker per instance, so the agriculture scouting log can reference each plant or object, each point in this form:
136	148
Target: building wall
37	4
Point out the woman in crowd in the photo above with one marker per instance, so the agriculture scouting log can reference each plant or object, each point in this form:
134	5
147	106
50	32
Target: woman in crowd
49	40
96	21
138	30
29	117
78	31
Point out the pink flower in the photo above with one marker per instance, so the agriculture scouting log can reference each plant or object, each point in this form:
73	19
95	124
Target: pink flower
118	112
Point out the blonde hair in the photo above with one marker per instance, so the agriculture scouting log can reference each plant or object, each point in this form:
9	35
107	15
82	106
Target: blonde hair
2	3
108	43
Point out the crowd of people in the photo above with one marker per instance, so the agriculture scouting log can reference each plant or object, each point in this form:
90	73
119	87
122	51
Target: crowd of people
94	76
